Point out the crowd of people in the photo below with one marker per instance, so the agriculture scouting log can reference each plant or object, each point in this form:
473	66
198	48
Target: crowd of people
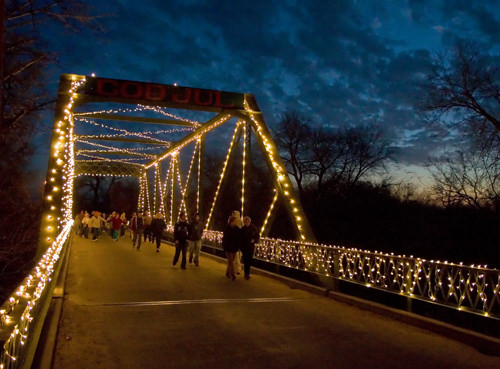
239	237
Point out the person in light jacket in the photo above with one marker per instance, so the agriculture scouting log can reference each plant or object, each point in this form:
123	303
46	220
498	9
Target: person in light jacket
95	224
231	241
237	258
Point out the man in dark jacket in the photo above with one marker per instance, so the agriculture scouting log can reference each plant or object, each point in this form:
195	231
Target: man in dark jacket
195	233
181	233
250	235
156	228
137	228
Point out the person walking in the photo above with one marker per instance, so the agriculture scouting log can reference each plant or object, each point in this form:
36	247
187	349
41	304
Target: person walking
85	225
110	223
78	223
116	222
123	226
147	226
137	228
181	233
250	237
230	243
95	224
157	227
195	233
237	258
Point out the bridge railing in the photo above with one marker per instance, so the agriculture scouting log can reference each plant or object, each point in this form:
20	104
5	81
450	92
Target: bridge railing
475	289
23	314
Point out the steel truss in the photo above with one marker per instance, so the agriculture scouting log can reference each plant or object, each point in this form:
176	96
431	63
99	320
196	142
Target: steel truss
111	141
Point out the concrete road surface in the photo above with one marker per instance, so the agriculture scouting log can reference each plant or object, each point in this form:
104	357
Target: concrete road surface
132	309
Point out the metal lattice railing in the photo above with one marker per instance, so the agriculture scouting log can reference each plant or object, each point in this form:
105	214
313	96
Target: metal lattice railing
23	314
471	288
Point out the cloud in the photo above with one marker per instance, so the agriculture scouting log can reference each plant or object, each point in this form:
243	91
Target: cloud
338	62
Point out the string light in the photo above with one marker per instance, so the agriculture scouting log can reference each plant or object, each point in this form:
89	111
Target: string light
222	174
243	168
29	295
279	172
194	136
198	183
188	176
475	288
269	212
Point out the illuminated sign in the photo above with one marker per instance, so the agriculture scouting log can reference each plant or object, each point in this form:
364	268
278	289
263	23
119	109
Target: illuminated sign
169	94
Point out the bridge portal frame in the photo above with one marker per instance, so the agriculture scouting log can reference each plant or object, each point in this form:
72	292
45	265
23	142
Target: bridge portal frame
78	90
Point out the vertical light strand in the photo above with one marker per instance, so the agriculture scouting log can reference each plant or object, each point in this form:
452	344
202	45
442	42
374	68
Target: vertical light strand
198	178
155	188
243	168
222	175
172	188
158	186
140	201
148	197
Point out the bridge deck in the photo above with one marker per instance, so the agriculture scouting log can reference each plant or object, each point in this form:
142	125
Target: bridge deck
129	309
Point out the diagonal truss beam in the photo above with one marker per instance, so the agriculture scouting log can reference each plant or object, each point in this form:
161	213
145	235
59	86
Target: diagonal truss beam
114	152
124	118
208	126
121	139
107	168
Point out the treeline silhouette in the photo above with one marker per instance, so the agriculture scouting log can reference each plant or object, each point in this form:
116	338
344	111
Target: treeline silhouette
370	217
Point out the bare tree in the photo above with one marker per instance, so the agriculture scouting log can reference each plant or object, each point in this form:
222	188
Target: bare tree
96	190
326	151
404	191
23	59
467	178
364	149
464	88
344	155
25	56
293	137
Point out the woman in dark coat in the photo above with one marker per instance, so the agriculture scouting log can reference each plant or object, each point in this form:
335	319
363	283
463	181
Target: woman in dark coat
230	242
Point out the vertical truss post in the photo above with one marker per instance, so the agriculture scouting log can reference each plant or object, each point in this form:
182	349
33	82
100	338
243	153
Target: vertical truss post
201	175
248	156
158	195
58	193
243	167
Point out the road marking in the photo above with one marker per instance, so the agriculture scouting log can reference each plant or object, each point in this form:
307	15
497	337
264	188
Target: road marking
201	301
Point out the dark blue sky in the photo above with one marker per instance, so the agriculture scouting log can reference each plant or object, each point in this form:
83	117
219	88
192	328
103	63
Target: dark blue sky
336	62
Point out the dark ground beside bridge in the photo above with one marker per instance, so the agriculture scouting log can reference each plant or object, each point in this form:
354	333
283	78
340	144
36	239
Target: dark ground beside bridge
129	309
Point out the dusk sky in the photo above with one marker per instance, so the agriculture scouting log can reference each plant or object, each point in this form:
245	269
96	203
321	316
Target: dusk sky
336	62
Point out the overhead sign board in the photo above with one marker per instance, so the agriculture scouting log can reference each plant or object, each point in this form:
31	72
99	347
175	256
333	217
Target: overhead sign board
147	93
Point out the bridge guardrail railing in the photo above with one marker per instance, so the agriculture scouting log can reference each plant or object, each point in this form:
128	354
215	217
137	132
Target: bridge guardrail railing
475	289
22	315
